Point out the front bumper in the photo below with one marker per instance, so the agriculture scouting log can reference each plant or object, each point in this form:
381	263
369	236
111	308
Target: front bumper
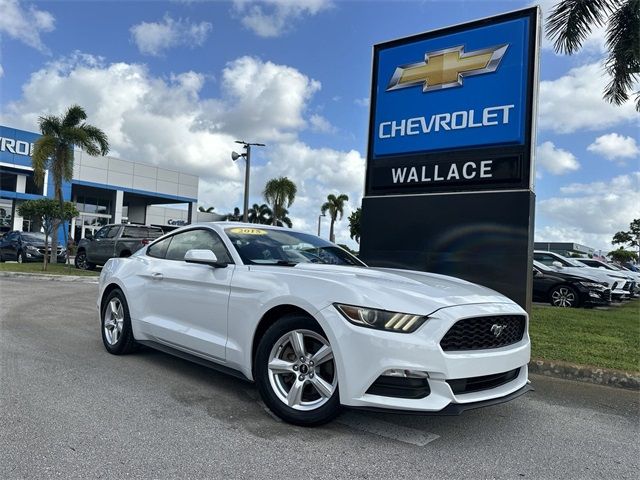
363	354
31	256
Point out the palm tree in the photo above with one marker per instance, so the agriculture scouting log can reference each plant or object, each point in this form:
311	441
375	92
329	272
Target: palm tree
570	23
206	210
261	214
236	216
53	151
282	221
335	206
280	194
354	224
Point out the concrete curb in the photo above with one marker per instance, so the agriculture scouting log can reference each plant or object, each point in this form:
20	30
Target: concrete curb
45	276
582	373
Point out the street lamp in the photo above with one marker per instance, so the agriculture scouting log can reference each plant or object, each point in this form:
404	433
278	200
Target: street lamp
320	217
247	156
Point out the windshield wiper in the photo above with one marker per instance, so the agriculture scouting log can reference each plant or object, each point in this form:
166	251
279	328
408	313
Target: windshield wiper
286	263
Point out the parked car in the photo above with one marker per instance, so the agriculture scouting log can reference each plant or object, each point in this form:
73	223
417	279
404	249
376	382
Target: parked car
113	241
619	283
27	247
634	288
312	325
566	290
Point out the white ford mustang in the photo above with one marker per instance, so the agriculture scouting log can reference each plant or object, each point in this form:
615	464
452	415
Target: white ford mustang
312	325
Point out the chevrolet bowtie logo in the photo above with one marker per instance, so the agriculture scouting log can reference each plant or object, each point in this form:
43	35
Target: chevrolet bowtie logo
447	68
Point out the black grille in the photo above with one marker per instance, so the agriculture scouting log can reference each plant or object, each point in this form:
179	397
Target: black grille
484	332
476	384
400	387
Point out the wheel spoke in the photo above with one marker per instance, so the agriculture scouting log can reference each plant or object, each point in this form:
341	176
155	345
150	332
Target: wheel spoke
113	308
297	342
323	355
278	365
294	397
119	312
324	388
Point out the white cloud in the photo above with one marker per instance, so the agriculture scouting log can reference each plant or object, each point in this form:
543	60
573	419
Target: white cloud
614	146
1	71
362	102
25	25
555	160
167	122
590	213
153	38
574	102
272	18
321	124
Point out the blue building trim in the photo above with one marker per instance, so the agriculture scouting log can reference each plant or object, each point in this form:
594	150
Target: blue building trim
20	196
104	186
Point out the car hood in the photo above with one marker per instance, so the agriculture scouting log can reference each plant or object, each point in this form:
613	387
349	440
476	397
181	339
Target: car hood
407	291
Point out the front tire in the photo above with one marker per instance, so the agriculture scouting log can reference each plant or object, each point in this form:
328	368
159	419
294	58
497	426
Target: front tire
296	372
563	296
82	263
115	325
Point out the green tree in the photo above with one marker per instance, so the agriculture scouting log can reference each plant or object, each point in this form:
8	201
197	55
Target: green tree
49	213
261	214
621	255
206	210
354	224
282	221
279	193
629	238
335	206
53	151
236	216
571	22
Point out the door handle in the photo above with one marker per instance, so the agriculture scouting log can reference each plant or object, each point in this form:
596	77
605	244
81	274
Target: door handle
157	276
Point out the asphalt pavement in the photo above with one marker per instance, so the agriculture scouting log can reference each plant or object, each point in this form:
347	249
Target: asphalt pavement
68	409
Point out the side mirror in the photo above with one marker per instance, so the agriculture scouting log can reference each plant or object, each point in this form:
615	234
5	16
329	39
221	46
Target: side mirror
557	264
203	257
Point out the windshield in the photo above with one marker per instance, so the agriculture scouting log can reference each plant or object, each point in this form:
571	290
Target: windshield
572	262
33	237
258	246
541	266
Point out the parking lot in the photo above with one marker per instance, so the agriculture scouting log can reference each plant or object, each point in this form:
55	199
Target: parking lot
69	409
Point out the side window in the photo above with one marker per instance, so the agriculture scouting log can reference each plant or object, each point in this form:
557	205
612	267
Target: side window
134	232
543	258
197	239
159	249
113	232
102	233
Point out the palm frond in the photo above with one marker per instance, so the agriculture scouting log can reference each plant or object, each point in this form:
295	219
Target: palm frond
571	22
97	137
623	61
49	125
74	115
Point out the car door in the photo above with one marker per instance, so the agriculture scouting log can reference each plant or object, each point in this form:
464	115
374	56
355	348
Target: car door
96	248
10	246
187	303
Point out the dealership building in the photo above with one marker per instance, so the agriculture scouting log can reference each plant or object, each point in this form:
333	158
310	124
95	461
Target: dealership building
104	189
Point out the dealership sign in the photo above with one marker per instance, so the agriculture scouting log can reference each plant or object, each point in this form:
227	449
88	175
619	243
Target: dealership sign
452	109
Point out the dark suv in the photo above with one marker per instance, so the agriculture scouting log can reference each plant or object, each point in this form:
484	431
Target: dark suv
113	241
27	247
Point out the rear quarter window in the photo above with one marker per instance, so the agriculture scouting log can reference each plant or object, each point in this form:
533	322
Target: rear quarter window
159	249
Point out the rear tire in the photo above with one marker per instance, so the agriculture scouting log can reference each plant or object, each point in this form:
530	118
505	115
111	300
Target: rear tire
296	373
564	296
115	325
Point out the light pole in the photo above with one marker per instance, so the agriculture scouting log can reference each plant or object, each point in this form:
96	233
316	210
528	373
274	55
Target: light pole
247	157
319	218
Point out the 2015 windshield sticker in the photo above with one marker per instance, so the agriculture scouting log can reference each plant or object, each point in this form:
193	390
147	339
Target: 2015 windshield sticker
248	231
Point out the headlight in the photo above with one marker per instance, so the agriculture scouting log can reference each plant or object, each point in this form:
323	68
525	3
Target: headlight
31	248
381	319
592	285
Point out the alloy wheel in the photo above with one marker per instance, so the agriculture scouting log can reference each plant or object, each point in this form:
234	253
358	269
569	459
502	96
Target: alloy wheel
113	321
563	297
302	370
81	261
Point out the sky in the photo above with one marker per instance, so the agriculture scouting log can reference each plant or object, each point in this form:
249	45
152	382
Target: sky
175	83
